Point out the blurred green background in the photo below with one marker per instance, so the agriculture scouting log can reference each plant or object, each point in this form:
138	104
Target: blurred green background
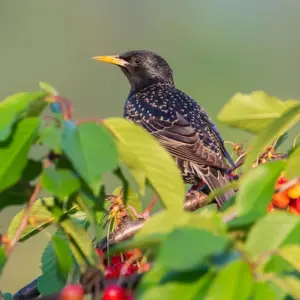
216	48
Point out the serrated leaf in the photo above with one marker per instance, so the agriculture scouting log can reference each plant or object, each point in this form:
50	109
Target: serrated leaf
192	288
48	88
133	198
151	158
278	225
14	152
14	107
292	168
289	284
291	253
61	182
234	281
253	112
175	255
81	244
63	255
51	137
38	213
257	187
271	132
91	149
51	280
2	258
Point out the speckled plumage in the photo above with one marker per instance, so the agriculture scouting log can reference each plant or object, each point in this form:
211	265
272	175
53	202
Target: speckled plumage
178	122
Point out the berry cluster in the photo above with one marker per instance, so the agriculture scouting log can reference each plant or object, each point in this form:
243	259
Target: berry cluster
288	199
111	292
124	264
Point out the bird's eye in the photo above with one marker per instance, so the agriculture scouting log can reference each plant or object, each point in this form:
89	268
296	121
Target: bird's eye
137	61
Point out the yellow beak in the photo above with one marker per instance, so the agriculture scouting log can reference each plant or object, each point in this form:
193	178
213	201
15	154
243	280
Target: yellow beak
112	59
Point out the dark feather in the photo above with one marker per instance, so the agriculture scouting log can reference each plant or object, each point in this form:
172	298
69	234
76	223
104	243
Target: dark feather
182	126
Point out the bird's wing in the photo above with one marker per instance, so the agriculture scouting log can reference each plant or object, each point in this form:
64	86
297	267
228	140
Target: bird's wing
184	141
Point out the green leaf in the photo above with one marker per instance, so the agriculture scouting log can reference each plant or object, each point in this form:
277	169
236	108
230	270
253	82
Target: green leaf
167	221
293	164
61	182
91	150
51	281
80	243
257	187
291	253
63	255
270	133
175	254
289	284
244	222
148	156
253	112
278	226
186	289
39	213
20	192
134	166
13	108
48	88
2	258
264	290
234	281
17	194
14	152
133	198
32	170
150	279
143	242
7	296
51	137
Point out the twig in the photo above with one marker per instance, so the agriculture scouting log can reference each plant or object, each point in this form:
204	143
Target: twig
289	184
87	120
24	220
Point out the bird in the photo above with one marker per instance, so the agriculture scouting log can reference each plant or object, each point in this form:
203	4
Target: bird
175	119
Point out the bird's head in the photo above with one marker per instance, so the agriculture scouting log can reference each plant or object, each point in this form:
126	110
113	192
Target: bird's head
141	67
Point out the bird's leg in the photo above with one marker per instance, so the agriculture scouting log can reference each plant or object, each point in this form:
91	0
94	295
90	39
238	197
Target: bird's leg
146	214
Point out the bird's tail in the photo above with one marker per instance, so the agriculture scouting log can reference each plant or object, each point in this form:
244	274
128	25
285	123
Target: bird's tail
215	178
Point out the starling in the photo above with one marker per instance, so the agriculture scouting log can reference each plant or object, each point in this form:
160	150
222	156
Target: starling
179	123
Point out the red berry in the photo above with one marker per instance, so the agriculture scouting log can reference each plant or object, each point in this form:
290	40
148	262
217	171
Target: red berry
137	252
99	252
293	210
110	273
128	271
114	260
298	204
295	204
281	180
281	200
114	292
294	192
72	292
270	207
145	267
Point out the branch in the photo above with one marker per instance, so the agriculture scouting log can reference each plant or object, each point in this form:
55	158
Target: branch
24	220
